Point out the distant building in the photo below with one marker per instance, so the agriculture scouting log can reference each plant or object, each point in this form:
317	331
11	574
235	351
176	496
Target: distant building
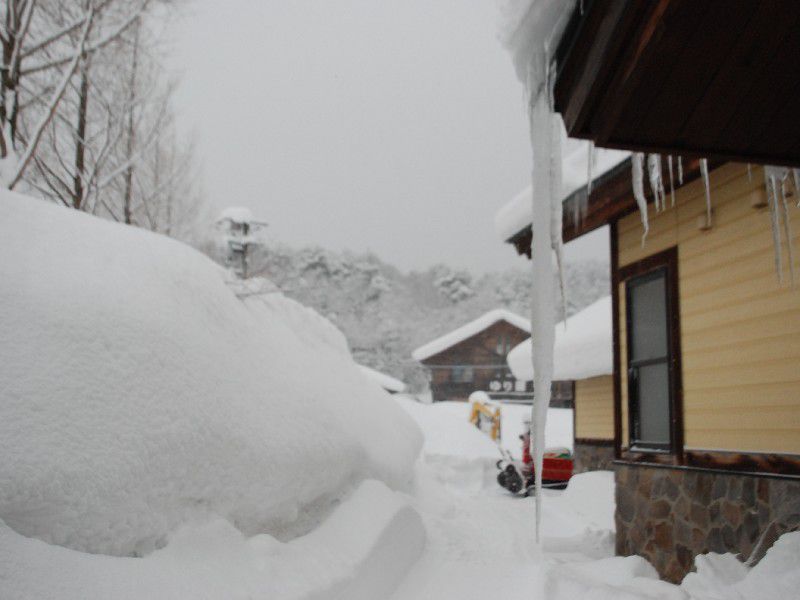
473	358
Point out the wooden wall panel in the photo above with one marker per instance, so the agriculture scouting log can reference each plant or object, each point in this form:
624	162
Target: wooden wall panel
594	408
740	327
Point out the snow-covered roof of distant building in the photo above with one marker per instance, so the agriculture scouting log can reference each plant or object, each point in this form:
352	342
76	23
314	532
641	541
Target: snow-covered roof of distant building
237	214
467	331
582	349
516	215
387	382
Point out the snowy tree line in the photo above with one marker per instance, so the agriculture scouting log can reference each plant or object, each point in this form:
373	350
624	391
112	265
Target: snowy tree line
86	117
386	313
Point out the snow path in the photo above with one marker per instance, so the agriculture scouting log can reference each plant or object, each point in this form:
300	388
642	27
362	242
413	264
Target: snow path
479	537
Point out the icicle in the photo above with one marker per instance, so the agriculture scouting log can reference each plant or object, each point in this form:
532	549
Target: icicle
772	199
787	228
671	181
589	165
656	182
680	170
707	183
556	208
637	175
749	172
796	173
543	309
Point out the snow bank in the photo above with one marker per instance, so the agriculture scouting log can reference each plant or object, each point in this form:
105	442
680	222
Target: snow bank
360	552
448	432
582	349
722	576
387	382
517	214
140	394
558	430
467	331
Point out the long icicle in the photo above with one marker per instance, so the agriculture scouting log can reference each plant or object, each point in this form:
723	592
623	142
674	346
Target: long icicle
787	228
556	207
707	184
589	167
671	181
680	170
542	309
637	176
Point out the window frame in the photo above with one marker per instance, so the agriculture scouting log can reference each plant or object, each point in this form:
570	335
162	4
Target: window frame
665	263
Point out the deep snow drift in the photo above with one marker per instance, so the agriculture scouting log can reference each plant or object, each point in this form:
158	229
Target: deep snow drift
139	394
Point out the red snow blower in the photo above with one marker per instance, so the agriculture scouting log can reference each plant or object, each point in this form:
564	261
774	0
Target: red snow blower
518	476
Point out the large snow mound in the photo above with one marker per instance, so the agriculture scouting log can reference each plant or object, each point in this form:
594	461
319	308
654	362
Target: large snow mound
138	393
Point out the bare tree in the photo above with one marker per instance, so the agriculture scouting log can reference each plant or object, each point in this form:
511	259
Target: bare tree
45	41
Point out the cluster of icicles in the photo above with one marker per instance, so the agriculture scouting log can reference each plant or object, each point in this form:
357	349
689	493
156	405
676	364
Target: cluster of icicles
776	181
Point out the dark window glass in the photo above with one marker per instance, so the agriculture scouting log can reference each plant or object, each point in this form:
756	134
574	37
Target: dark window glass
461	374
649	319
649	385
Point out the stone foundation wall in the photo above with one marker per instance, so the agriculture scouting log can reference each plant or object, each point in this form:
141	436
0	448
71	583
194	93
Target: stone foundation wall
670	515
592	456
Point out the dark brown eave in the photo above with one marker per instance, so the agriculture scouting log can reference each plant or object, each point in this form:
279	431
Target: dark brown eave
684	77
610	200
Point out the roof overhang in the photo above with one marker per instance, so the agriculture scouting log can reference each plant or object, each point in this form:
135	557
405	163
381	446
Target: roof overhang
712	78
611	199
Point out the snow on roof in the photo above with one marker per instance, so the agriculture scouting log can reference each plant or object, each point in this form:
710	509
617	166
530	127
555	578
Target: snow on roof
582	349
527	25
236	214
387	382
515	215
467	331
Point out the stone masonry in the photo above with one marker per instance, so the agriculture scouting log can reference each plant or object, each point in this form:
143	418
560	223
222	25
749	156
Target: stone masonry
670	515
593	457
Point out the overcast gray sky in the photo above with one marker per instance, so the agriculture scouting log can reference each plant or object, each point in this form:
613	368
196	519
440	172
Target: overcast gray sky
394	126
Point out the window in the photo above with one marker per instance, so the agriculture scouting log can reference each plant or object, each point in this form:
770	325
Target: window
651	381
461	374
503	345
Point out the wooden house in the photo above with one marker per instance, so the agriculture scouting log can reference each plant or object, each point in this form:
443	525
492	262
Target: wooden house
706	384
473	358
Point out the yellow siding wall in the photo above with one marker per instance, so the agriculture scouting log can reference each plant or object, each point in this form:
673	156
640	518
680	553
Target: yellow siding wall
594	408
740	328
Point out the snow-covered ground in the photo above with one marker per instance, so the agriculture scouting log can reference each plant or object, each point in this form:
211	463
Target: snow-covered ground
480	539
168	433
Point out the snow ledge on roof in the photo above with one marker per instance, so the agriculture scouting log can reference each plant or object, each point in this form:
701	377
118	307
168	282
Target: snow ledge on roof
582	350
516	215
467	331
